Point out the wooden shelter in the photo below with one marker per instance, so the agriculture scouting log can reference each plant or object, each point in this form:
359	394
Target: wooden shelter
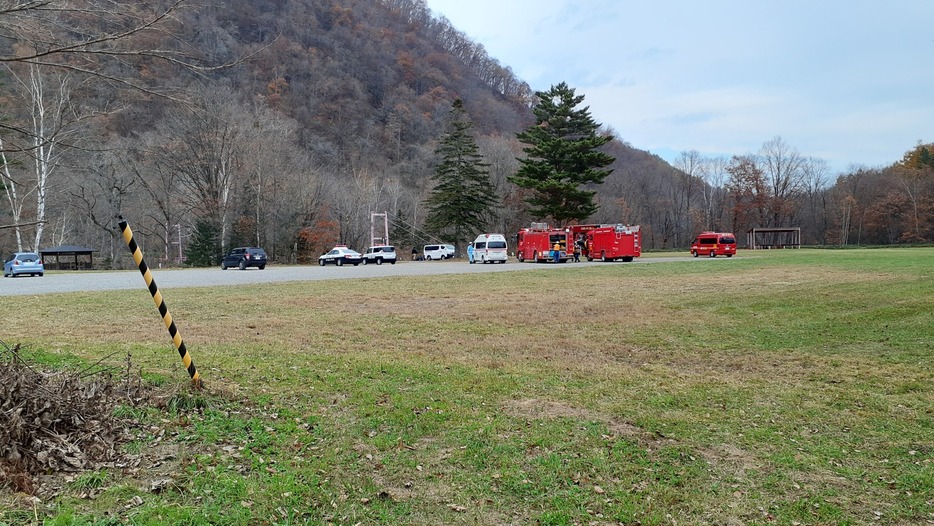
67	257
759	238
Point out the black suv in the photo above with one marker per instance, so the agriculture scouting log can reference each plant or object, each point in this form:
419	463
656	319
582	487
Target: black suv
244	257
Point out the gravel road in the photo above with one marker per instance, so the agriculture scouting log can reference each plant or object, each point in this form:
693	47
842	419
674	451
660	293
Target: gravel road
58	282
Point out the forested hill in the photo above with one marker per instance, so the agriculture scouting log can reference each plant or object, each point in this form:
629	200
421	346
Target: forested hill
325	111
362	74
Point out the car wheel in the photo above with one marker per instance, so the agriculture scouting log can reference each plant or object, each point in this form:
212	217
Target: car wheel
261	267
340	262
41	274
393	262
223	267
713	254
427	258
242	265
321	262
379	261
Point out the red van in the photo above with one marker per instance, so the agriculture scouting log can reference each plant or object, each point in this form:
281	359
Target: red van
714	244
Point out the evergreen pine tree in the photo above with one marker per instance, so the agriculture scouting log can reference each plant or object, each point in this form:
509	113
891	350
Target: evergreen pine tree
562	157
462	196
204	249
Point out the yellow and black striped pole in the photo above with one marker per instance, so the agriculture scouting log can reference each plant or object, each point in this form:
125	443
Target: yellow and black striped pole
160	303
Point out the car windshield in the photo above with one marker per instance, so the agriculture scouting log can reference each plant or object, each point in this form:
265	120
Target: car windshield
728	240
28	258
496	244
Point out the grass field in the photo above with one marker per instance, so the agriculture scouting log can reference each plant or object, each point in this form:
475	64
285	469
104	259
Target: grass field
776	387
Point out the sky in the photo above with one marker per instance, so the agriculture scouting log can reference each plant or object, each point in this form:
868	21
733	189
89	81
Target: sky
850	82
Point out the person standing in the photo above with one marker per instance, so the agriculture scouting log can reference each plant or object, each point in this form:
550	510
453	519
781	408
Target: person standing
470	253
557	252
414	253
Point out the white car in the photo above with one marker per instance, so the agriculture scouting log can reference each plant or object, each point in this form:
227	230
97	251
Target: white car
438	252
380	253
340	255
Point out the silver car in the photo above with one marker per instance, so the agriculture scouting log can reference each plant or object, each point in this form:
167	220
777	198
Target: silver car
23	263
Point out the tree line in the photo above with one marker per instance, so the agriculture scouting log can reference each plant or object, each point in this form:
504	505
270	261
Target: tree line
285	124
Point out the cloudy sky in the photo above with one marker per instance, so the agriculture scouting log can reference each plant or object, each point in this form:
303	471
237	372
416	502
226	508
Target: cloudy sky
850	82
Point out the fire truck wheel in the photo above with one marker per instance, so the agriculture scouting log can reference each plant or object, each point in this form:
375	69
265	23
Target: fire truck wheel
520	257
713	254
603	256
535	257
694	252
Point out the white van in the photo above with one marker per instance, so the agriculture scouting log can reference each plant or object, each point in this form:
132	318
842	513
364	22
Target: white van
490	248
438	252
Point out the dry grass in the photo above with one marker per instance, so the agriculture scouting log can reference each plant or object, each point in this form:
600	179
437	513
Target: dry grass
770	383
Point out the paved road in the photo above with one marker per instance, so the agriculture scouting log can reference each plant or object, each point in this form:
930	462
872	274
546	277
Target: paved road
56	282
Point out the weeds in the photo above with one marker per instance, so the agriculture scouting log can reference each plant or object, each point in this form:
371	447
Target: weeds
782	388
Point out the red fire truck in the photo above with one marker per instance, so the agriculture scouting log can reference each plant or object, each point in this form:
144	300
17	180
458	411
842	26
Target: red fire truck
607	242
537	244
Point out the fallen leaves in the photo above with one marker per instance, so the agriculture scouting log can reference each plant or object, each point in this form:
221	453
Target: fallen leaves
57	420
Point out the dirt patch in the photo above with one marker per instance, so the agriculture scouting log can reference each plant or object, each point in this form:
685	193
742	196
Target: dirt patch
545	409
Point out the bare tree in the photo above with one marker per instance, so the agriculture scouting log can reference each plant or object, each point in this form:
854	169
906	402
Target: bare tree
783	168
715	176
690	165
100	39
815	173
100	198
53	124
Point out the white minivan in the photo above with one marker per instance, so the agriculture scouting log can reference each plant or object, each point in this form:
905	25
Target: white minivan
490	248
438	252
